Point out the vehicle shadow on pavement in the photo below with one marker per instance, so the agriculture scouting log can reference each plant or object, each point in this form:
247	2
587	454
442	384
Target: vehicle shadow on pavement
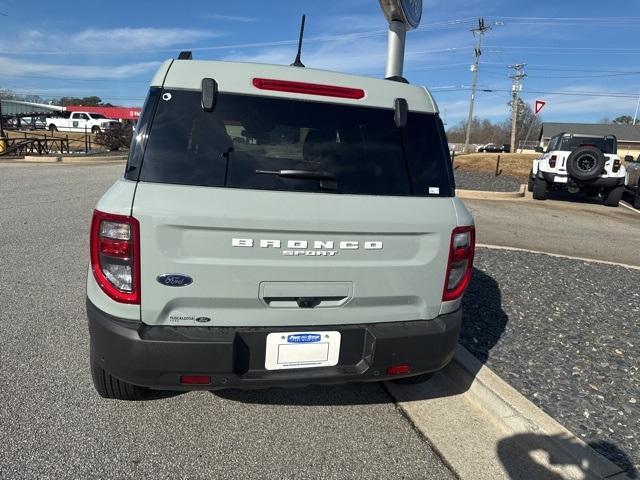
484	322
531	455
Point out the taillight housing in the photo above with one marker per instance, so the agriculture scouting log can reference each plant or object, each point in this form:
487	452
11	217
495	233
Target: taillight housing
115	256
460	265
553	161
616	165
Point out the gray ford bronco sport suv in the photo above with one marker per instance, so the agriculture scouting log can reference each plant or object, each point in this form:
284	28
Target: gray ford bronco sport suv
277	226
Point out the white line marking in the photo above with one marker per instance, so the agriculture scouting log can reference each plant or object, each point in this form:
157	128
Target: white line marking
582	259
626	205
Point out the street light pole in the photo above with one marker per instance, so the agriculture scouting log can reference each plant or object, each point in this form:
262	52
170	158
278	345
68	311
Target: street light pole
635	117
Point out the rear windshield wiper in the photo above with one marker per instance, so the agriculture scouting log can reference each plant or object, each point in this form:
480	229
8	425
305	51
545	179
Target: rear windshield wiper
327	180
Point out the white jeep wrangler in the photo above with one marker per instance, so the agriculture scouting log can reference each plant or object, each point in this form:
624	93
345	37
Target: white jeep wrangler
580	163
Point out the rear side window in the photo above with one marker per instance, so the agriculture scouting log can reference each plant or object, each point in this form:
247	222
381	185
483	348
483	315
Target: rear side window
266	143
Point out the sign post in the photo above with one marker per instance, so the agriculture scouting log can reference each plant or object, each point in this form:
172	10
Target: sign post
540	104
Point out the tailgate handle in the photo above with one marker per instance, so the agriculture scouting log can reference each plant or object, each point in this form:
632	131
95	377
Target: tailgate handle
305	302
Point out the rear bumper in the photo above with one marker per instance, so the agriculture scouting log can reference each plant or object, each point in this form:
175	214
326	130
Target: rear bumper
156	357
610	182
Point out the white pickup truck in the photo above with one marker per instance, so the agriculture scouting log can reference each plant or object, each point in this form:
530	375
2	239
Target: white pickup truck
80	122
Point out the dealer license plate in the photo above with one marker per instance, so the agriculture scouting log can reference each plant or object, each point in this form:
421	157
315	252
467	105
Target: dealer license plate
287	350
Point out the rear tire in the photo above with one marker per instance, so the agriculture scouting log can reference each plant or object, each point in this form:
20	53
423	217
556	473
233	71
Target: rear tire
415	380
53	128
110	387
530	183
539	189
613	197
636	198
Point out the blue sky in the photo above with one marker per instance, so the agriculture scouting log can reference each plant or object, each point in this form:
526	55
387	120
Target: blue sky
572	47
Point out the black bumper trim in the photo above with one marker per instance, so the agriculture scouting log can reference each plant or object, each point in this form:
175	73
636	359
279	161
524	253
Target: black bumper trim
156	357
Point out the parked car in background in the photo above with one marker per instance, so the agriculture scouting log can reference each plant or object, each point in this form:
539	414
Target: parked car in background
494	148
580	164
633	179
80	122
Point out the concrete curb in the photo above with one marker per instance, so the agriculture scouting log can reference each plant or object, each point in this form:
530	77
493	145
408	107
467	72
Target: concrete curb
484	195
484	428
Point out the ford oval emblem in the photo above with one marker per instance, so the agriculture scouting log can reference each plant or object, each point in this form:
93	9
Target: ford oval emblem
304	338
174	280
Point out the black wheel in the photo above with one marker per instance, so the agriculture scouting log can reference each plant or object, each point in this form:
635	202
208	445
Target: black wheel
586	164
613	197
636	198
415	380
539	189
53	128
95	130
109	386
531	181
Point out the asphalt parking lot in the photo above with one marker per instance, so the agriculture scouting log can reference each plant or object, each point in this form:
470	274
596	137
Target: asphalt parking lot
53	424
563	332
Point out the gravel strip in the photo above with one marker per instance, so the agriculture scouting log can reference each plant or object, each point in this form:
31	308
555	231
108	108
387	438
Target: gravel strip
565	334
486	181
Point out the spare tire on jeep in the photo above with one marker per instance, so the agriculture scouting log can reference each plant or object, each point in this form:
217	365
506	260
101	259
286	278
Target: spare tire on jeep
586	164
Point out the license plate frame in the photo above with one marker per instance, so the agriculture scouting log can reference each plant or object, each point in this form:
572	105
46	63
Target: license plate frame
293	350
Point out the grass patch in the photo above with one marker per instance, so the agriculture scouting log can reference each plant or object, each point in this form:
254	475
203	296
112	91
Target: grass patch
512	164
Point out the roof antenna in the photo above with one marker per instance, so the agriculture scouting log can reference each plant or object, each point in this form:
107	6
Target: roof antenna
297	62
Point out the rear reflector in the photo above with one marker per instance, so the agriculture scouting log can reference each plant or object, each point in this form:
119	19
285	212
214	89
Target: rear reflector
401	369
195	380
308	88
460	266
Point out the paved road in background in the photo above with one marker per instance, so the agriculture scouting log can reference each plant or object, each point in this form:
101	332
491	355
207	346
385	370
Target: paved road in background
53	424
563	226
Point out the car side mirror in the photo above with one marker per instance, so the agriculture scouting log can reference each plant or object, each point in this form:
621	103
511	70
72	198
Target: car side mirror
401	112
629	159
209	94
539	150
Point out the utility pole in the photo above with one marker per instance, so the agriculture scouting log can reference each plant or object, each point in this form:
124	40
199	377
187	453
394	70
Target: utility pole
478	32
517	77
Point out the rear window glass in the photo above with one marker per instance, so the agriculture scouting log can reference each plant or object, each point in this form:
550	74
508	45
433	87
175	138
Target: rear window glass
266	143
604	144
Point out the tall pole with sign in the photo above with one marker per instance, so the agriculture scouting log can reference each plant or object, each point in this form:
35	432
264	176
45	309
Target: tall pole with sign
402	15
539	106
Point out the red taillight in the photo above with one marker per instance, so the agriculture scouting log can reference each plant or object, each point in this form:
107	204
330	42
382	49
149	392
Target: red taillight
553	161
460	266
616	166
308	88
401	369
195	380
115	256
